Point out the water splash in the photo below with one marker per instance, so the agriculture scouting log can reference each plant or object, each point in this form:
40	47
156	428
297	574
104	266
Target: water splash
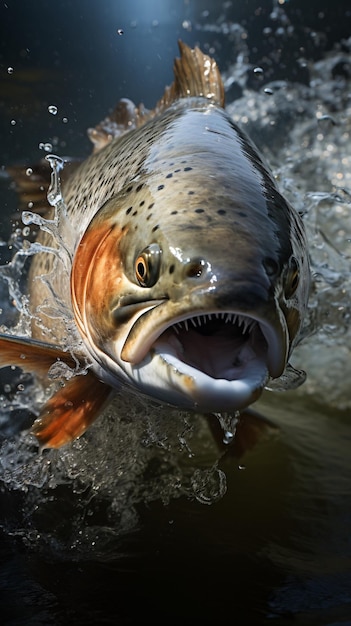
137	453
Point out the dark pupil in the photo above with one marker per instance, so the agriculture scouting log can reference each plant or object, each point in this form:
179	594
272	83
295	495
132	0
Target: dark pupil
141	269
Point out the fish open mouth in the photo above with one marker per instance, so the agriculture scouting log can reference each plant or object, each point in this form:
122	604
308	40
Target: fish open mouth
219	344
221	360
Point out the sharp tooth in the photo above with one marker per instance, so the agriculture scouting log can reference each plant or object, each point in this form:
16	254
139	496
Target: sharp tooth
176	329
199	320
193	322
186	324
209	316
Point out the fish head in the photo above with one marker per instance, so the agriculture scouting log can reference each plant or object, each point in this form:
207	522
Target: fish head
185	297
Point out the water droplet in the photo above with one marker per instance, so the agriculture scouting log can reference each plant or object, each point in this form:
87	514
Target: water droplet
13	122
10	70
120	31
187	25
258	70
20	387
45	146
29	171
52	109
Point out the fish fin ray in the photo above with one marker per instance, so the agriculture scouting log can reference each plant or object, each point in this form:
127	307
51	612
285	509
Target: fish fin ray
71	410
31	355
125	117
195	75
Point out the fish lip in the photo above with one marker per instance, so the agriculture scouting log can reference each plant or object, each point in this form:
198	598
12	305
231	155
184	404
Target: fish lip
138	345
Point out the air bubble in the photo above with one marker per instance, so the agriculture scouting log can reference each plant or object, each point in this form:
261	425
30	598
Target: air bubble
13	122
258	70
120	31
52	109
29	171
10	70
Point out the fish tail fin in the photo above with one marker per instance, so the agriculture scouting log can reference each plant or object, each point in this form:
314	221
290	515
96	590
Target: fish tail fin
71	410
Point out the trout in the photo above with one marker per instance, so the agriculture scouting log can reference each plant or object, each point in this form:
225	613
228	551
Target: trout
185	274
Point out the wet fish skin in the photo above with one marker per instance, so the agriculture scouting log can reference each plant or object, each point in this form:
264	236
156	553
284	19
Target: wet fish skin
190	273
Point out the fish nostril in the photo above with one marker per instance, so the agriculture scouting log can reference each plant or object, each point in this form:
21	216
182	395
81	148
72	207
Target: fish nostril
195	268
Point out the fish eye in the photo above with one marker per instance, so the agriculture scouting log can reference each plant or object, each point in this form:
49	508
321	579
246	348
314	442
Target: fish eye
293	278
147	265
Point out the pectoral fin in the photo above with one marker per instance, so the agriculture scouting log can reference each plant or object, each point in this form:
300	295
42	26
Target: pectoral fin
69	412
31	356
72	408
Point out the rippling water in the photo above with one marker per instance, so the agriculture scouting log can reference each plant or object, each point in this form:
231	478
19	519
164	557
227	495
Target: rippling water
149	515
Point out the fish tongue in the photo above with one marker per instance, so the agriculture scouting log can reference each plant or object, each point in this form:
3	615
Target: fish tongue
217	355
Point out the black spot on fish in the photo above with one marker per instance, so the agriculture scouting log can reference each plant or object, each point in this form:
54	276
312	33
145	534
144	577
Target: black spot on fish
221	211
160	187
187	169
199	210
129	189
139	187
151	205
155	228
242	214
142	203
169	175
129	210
174	212
171	268
135	213
191	193
148	217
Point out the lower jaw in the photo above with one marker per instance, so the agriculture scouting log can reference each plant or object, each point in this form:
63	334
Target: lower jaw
193	389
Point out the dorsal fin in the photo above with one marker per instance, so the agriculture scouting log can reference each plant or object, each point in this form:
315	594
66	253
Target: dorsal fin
195	75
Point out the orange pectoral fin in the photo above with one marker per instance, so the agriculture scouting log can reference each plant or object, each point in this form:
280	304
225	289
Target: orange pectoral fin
74	407
71	410
30	355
